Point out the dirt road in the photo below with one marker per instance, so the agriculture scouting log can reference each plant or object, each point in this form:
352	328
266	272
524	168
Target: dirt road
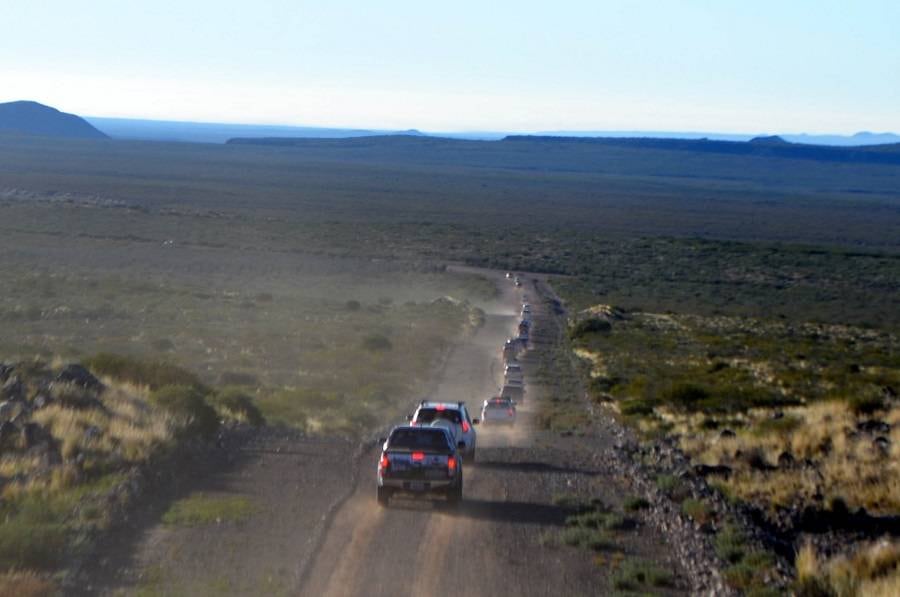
319	531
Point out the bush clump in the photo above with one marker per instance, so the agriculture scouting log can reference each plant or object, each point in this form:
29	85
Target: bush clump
586	327
376	343
235	404
154	374
189	404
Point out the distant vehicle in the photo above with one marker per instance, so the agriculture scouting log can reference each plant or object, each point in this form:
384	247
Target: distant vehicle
526	308
452	415
512	372
524	327
498	411
518	281
511	349
509	275
513	391
419	461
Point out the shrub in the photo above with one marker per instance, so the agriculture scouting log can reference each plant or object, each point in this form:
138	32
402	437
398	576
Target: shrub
189	404
685	395
866	404
154	374
696	510
592	325
636	574
376	343
633	504
637	407
238	378
579	536
29	544
731	544
237	405
198	509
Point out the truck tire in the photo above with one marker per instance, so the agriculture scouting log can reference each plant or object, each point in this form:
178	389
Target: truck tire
383	495
454	494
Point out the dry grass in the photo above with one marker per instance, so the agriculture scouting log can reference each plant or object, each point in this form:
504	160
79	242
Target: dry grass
872	570
845	463
25	584
127	427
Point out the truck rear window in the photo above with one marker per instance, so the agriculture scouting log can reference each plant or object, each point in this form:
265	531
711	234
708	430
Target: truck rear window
429	415
419	439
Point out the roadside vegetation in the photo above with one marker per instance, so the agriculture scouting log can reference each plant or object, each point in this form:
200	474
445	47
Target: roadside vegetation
801	420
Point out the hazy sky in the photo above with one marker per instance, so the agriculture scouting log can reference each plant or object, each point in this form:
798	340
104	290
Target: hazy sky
707	65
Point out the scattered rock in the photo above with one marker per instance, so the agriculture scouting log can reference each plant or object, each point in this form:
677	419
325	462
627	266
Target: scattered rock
5	372
41	401
12	389
786	460
78	375
8	434
7	410
703	470
883	444
92	432
726	433
873	426
34	434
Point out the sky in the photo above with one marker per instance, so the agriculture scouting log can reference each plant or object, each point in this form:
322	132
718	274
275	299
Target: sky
741	66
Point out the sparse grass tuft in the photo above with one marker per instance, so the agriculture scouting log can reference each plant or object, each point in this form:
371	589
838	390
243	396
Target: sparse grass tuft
200	509
237	405
639	575
697	510
26	583
188	404
634	504
588	538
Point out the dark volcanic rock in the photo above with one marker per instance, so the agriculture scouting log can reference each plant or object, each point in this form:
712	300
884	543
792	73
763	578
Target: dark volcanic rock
78	375
13	389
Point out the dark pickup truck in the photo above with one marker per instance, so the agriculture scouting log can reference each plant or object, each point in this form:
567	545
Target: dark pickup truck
420	461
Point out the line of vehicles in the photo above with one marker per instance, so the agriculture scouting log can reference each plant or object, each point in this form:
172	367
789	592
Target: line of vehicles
425	456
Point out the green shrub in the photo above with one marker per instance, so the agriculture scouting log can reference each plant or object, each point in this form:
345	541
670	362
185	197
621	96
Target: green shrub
636	574
28	544
730	544
866	404
633	504
154	374
685	395
187	403
237	405
377	343
588	538
781	426
696	510
199	509
637	407
586	327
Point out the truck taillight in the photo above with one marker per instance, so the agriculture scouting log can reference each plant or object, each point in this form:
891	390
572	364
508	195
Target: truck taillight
418	456
384	463
451	464
465	425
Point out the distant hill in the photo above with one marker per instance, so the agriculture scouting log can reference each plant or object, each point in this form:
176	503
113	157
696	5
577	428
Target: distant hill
212	132
33	118
647	149
772	146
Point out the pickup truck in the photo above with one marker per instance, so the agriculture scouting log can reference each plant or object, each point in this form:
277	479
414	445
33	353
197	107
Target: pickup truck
420	460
